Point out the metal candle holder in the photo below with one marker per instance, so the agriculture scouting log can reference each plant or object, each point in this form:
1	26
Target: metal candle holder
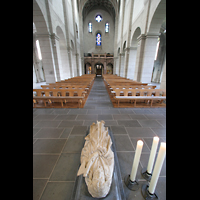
131	185
147	195
147	176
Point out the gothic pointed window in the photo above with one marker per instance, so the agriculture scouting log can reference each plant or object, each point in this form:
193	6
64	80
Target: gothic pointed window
98	39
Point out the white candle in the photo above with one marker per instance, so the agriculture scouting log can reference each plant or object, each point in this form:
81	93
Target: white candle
136	160
152	154
157	168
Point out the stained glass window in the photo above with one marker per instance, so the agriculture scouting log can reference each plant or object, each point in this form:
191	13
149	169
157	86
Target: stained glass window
98	18
107	27
90	27
98	39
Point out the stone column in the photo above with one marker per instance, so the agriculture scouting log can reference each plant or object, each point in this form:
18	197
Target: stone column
145	71
139	56
163	76
57	56
131	64
121	64
127	52
105	67
47	57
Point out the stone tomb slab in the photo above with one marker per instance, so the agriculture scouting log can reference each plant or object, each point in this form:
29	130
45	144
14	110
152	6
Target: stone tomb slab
116	190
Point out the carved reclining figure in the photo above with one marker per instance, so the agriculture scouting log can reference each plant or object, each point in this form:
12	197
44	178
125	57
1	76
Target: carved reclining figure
97	160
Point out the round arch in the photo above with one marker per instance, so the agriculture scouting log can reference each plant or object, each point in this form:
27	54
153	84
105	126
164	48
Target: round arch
98	68
42	34
133	54
64	59
109	68
88	68
157	16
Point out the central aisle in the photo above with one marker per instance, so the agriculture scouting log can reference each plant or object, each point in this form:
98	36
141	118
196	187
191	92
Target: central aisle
98	97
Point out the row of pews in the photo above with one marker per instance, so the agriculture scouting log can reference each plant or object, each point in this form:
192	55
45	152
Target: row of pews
124	93
68	93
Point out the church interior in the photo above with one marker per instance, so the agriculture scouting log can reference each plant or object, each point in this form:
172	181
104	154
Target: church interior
97	60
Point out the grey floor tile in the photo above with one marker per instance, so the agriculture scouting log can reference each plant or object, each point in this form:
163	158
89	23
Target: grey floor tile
49	133
129	123
45	117
121	117
58	191
161	188
43	165
160	132
155	116
79	130
110	122
68	123
118	130
35	130
93	111
142	111
105	117
89	122
123	143
110	111
60	111
38	186
77	111
65	117
66	167
48	145
41	111
87	117
149	123
140	132
74	144
136	116
162	122
35	123
47	124
125	111
66	133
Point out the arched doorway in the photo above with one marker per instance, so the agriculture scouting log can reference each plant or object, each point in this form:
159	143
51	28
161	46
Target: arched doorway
109	68
88	68
99	67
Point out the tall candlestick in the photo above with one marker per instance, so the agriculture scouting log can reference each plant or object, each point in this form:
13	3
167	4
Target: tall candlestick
157	168
136	160
152	154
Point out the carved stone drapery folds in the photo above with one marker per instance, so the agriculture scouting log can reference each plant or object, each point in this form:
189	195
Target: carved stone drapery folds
97	160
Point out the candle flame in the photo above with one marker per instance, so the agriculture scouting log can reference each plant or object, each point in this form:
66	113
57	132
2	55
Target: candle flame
156	138
140	142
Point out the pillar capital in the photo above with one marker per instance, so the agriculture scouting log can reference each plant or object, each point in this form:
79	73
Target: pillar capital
141	37
153	35
46	35
54	36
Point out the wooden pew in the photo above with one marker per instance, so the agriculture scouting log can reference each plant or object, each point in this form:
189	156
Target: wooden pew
63	96
145	97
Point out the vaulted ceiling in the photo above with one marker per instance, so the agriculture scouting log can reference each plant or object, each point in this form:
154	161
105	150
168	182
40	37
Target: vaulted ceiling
109	5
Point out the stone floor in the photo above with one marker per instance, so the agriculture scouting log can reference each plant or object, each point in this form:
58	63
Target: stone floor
58	136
